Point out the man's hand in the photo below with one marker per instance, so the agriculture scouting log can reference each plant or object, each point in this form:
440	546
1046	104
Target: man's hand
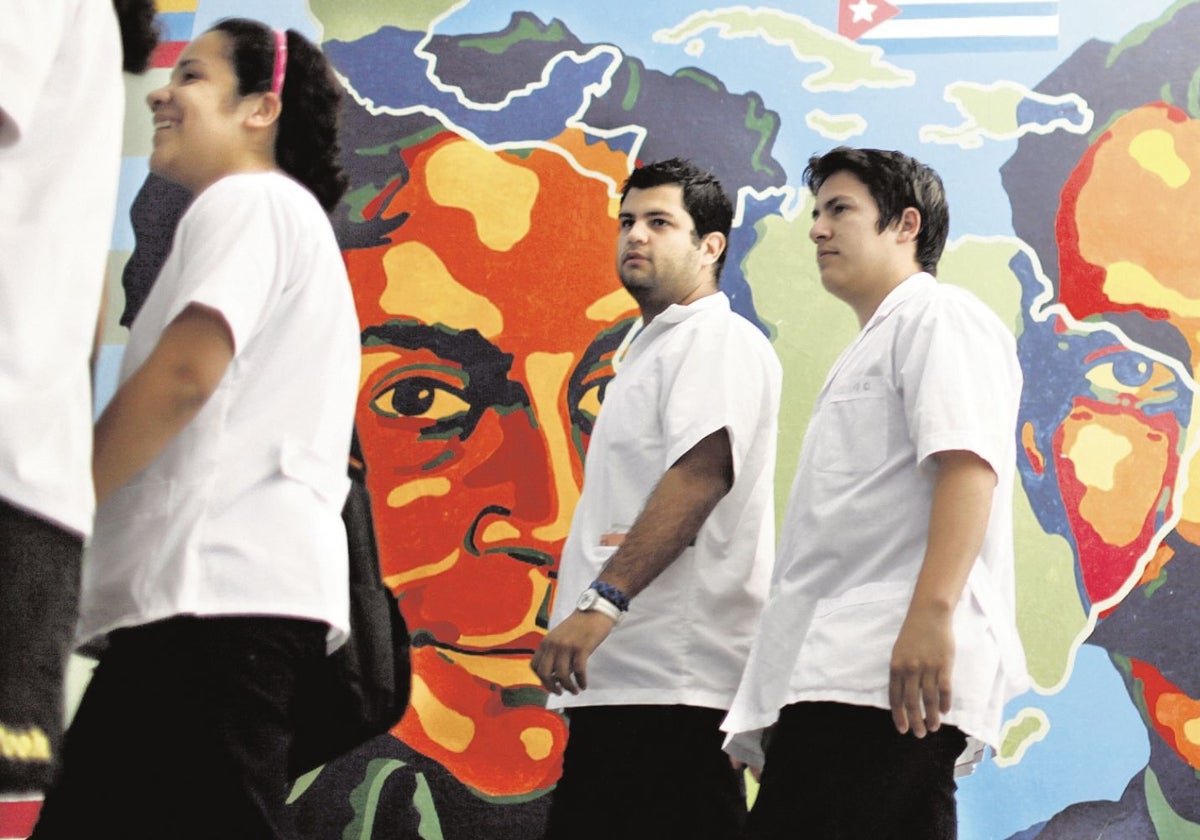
561	659
922	664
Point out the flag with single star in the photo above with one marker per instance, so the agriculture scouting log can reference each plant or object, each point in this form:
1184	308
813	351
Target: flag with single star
950	26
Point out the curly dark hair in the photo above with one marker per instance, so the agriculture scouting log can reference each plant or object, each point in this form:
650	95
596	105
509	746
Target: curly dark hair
139	32
703	197
895	181
306	146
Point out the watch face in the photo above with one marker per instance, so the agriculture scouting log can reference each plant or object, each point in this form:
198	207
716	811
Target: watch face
587	600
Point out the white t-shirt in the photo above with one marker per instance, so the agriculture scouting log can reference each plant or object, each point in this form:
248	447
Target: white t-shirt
241	513
694	370
62	107
933	370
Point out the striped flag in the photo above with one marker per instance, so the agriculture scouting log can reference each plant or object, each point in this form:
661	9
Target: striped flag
950	26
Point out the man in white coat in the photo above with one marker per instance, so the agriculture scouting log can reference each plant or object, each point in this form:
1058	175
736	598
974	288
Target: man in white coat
889	634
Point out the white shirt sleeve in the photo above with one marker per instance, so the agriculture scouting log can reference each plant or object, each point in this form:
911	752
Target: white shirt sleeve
30	39
958	380
230	250
720	383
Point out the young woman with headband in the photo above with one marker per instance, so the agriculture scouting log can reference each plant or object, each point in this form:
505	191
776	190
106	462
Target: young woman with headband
217	573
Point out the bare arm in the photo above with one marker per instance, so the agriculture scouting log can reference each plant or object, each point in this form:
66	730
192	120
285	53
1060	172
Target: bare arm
923	656
672	517
161	397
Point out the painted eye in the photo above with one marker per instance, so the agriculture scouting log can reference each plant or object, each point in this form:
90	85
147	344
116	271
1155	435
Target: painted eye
419	397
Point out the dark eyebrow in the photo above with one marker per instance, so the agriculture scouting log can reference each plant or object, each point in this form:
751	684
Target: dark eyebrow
650	214
467	347
485	366
828	203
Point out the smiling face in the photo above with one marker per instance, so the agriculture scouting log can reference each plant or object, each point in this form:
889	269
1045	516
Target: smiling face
486	348
198	116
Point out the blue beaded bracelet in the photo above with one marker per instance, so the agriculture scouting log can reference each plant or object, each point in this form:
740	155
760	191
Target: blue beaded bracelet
610	593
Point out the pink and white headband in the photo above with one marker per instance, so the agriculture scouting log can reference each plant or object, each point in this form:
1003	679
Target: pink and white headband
281	57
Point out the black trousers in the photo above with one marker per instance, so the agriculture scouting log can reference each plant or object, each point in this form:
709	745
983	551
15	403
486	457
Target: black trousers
840	772
39	602
184	732
654	772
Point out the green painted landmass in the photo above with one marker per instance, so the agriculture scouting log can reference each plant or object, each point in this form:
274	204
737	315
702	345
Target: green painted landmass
1168	825
526	29
765	123
701	78
1050	616
342	21
1138	35
835	126
990	112
809	327
844	64
1027	728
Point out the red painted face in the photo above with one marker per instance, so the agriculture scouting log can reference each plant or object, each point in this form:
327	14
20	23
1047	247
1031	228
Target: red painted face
1122	226
1124	231
489	323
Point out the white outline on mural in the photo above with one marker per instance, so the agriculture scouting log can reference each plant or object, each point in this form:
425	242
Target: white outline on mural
981	120
1041	309
842	55
824	123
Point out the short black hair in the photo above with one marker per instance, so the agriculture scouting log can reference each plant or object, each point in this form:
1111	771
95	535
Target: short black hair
139	33
703	197
306	146
895	181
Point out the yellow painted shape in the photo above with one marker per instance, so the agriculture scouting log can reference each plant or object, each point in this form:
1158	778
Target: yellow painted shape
420	285
497	670
421	488
500	195
24	745
547	376
594	157
1126	282
372	361
499	531
1154	150
527	623
1095	454
612	306
1191	730
428	570
447	728
538	741
165	6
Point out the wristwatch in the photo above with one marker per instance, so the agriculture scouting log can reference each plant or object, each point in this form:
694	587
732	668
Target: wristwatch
592	601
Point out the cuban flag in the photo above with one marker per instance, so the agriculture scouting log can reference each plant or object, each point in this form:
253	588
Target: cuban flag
950	26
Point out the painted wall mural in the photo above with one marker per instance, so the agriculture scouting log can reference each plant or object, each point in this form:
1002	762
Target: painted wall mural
486	143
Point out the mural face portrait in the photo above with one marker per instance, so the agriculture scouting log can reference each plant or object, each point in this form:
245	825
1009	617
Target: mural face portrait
1101	429
489	323
1106	428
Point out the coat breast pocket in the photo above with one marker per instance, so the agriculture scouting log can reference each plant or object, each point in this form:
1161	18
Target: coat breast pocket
853	433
